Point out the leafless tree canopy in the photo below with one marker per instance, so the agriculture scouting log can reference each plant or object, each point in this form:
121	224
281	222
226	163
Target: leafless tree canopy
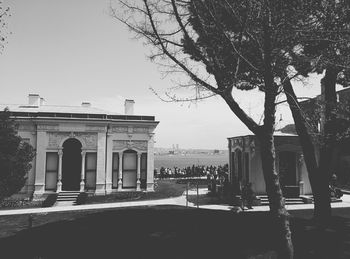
4	13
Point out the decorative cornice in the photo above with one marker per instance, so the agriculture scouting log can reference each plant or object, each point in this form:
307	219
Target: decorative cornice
119	129
139	145
141	130
89	140
96	128
47	127
26	127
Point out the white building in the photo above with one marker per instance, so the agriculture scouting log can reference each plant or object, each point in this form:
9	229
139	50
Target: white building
81	148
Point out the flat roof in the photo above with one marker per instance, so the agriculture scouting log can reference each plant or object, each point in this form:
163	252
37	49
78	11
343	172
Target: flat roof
68	112
275	134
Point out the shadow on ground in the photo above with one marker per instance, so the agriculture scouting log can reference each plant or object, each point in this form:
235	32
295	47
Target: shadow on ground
173	232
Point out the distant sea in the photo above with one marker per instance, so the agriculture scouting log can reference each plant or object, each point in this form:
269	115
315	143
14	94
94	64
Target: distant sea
185	160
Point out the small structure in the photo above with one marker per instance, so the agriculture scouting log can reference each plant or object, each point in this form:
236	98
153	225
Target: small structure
245	160
245	163
84	149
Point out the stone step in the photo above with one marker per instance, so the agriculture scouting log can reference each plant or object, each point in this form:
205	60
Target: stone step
289	201
68	193
65	203
67	198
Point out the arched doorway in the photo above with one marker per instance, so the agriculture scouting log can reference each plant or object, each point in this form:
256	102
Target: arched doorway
288	174
71	165
287	168
239	165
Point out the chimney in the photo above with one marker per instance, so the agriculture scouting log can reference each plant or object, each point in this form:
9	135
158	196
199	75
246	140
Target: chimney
86	104
34	100
129	107
42	101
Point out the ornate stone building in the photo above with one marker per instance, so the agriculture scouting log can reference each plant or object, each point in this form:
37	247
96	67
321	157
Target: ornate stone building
82	148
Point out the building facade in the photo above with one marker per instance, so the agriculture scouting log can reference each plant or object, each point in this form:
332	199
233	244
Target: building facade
245	163
81	148
245	160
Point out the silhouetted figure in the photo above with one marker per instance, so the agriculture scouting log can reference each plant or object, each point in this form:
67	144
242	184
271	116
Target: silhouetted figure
334	191
248	196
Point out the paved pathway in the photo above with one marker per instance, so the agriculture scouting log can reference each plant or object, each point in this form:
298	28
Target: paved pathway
344	204
181	201
170	201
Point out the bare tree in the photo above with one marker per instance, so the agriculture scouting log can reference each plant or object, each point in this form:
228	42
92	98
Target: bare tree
221	45
4	13
323	48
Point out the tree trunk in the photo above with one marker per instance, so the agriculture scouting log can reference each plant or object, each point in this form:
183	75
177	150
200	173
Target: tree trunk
273	188
328	130
318	185
274	192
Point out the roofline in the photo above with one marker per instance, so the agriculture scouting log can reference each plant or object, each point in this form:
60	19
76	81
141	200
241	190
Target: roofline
319	95
252	135
76	120
80	116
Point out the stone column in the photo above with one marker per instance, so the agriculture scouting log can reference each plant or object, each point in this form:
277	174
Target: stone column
101	164
150	163
138	182
59	176
120	178
82	175
109	162
40	160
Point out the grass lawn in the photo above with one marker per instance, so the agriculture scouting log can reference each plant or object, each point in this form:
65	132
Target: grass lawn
207	199
165	188
169	232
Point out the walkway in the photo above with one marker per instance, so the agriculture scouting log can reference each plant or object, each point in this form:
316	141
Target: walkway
180	201
344	204
170	201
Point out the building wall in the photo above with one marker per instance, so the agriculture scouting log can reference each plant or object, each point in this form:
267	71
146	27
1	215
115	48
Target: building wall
282	143
49	136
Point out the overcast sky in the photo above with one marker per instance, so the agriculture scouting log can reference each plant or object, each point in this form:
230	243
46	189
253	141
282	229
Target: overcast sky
70	51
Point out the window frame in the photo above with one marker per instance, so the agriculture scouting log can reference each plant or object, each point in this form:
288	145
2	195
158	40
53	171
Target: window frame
87	170
47	171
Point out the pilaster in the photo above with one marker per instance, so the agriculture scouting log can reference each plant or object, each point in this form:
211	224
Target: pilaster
101	164
109	162
82	173
59	176
120	180
138	182
150	163
40	161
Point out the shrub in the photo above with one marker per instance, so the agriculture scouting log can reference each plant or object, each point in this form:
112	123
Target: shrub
50	200
19	203
16	156
81	199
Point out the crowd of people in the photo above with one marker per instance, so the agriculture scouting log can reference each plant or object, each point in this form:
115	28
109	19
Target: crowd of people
191	171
